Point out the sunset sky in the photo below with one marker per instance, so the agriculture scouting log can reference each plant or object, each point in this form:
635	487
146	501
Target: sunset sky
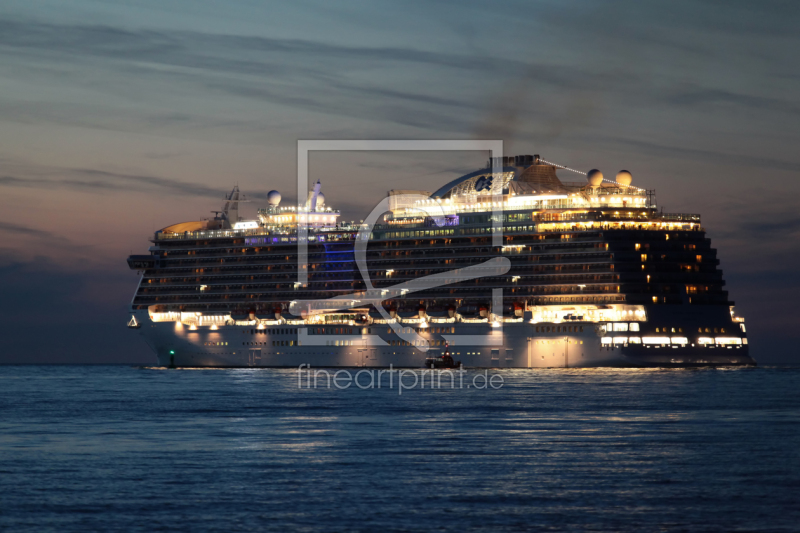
119	118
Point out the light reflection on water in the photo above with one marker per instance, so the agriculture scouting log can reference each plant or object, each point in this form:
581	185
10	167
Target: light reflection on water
578	449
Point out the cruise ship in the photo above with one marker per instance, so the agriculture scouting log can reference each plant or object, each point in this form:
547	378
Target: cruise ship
505	267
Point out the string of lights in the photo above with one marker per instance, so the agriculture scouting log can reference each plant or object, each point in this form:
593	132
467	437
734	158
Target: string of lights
584	173
628	186
562	166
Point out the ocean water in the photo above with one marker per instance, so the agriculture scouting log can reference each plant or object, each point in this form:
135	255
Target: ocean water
138	449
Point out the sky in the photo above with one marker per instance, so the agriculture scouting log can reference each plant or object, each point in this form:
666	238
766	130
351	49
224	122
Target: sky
119	118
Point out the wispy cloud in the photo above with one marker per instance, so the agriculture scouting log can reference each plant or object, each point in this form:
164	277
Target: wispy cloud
313	76
240	54
714	156
697	97
102	181
9	227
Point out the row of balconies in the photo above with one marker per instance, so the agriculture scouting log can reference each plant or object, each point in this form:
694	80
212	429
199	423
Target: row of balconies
377	273
291	262
322	255
453	291
677	271
356	284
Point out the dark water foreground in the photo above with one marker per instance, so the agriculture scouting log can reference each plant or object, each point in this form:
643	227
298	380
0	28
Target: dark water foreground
121	448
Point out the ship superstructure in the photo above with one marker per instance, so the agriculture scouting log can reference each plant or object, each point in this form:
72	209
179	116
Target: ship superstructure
594	275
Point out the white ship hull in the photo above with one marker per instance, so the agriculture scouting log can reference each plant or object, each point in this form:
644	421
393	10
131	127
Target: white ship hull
515	345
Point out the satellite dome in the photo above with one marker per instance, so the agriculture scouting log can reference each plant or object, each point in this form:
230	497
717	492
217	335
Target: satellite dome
273	198
624	178
320	199
595	177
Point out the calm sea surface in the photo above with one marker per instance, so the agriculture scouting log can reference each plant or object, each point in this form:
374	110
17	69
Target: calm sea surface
138	449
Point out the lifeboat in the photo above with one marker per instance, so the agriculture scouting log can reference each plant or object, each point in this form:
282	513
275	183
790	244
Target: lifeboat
390	310
239	314
439	311
288	315
469	311
273	314
374	313
299	311
513	310
408	312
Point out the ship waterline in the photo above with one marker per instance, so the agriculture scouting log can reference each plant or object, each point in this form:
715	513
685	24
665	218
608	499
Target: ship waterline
509	269
517	345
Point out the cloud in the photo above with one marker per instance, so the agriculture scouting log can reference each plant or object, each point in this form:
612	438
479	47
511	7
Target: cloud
318	77
79	304
34	242
704	96
243	54
215	52
761	215
94	180
776	228
9	227
672	151
98	181
163	155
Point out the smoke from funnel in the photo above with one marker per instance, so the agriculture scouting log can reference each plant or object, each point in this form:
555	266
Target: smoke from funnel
518	114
